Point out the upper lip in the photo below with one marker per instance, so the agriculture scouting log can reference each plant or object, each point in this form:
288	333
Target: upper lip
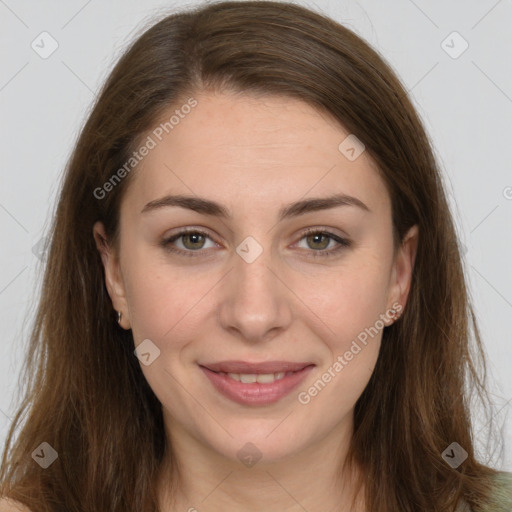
255	368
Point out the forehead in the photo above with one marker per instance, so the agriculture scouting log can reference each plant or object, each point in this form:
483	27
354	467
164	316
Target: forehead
245	149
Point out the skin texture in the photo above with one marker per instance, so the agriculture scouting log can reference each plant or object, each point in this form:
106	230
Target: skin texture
8	505
255	156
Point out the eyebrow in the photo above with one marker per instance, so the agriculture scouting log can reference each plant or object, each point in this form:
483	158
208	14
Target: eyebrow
208	207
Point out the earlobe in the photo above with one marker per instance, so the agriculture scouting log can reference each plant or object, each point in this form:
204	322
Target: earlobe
113	279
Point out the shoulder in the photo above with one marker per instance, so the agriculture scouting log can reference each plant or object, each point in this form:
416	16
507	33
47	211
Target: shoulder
501	499
503	481
8	505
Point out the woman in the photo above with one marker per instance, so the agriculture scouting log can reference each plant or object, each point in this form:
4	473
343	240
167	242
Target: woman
253	299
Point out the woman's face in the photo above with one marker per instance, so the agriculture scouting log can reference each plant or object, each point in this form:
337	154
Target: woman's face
252	284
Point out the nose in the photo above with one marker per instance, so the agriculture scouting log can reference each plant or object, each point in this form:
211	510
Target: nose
255	304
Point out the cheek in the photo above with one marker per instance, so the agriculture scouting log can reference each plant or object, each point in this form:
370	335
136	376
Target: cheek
150	301
348	299
353	308
336	389
155	295
166	302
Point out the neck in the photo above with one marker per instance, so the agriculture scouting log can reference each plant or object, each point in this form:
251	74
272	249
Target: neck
205	481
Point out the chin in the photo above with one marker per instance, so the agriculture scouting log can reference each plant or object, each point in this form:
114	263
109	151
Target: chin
257	443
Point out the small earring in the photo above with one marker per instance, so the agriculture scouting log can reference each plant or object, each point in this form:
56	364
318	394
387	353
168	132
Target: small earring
119	315
395	314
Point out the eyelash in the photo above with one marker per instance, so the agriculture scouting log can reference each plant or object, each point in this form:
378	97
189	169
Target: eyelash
343	243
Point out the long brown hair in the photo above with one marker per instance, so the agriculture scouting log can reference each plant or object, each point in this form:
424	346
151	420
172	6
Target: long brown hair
86	395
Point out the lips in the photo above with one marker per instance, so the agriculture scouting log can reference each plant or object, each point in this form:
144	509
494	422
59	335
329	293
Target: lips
256	384
255	368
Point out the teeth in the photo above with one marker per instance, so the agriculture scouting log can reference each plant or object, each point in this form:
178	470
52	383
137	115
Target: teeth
262	378
265	378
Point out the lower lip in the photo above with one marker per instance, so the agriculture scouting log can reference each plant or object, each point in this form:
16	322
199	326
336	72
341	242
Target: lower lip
256	393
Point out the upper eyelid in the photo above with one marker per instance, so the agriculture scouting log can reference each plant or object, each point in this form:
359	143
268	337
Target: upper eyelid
206	231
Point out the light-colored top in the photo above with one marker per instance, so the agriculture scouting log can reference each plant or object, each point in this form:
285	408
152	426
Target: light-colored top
501	498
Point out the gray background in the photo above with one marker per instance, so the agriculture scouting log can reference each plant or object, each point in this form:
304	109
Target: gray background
464	98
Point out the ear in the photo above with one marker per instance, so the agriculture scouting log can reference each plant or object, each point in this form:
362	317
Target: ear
403	266
113	276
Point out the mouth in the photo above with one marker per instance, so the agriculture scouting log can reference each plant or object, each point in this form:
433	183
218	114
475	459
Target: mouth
256	383
243	367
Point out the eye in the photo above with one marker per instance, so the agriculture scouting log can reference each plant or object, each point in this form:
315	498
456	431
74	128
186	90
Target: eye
193	241
319	240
